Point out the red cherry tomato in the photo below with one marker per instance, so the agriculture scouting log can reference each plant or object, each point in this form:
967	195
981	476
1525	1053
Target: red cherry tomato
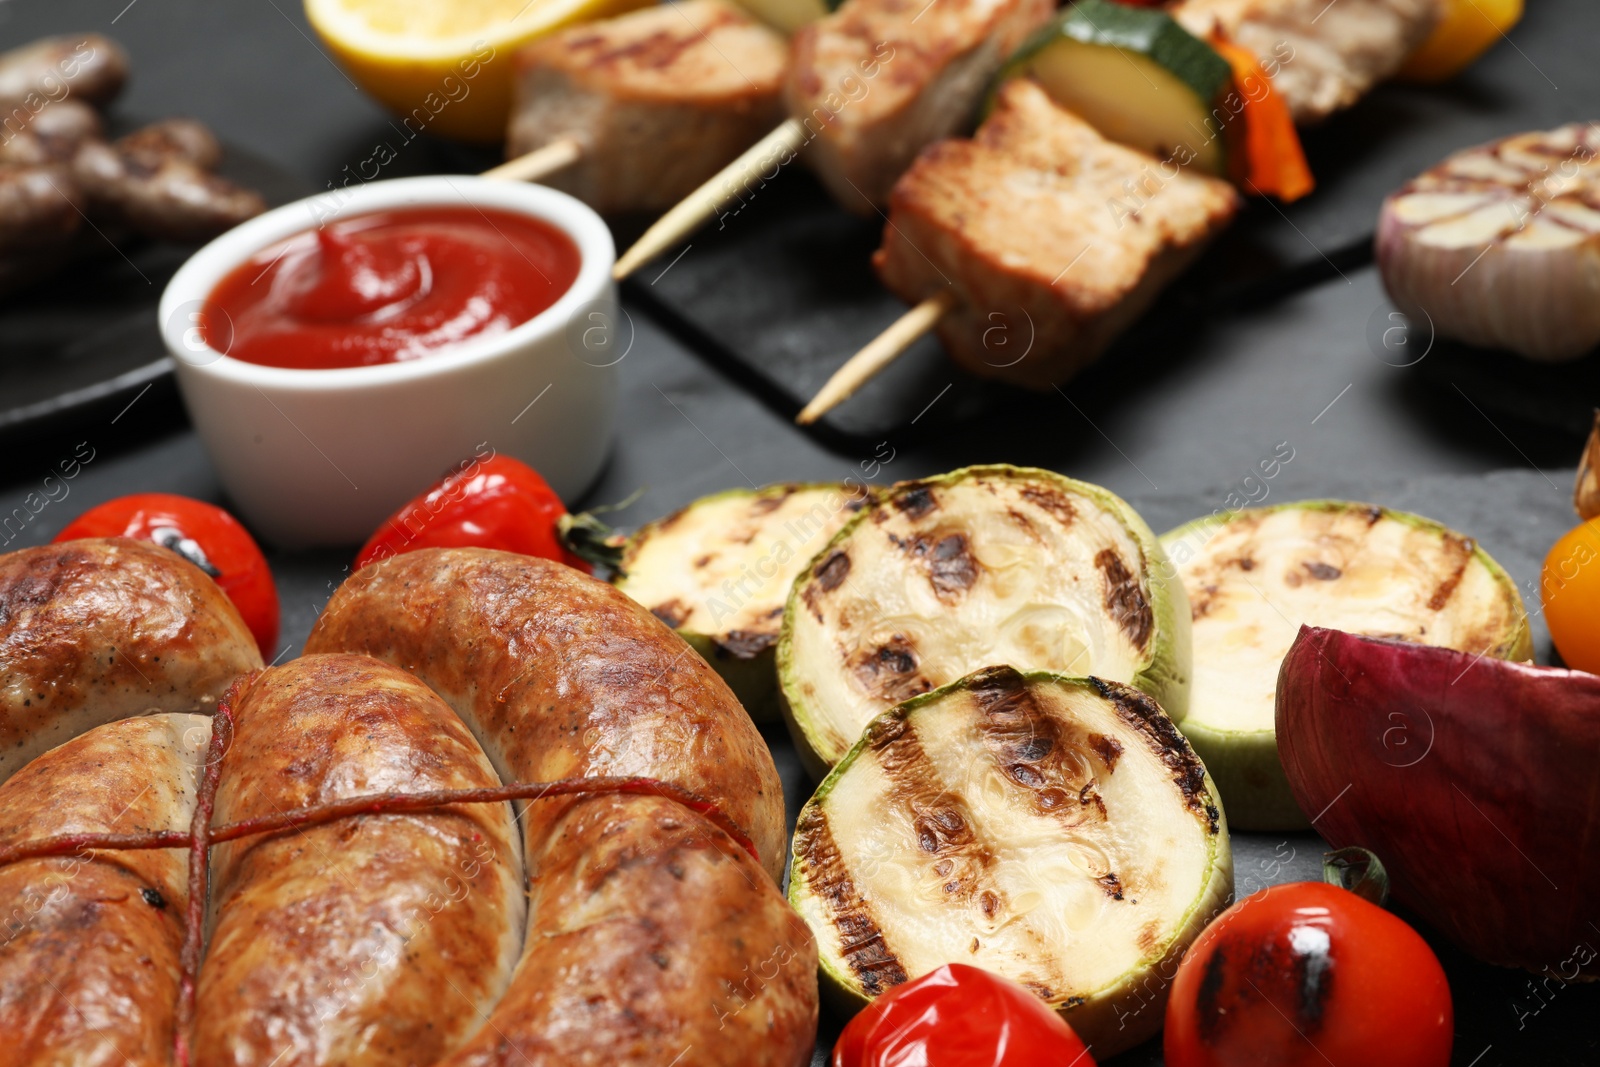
959	1016
1309	975
203	534
495	502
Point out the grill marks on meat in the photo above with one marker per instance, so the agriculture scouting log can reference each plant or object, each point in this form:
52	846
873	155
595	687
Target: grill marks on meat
1321	57
877	80
1023	222
660	99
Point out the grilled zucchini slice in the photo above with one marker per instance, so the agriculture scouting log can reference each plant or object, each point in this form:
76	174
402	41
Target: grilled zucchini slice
981	567
1254	577
789	15
1135	75
1056	830
719	570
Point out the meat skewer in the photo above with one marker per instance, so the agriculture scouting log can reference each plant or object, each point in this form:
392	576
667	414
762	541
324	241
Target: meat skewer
1007	244
1339	60
633	113
867	88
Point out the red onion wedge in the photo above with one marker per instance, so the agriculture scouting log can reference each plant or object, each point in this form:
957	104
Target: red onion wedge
1472	778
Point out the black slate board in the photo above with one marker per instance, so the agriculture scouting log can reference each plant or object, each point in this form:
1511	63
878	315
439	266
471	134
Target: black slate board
84	342
780	293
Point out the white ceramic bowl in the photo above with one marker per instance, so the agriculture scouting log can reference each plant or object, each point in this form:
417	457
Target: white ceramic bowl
321	457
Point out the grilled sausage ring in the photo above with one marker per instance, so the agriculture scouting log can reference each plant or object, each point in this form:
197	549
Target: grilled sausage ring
651	938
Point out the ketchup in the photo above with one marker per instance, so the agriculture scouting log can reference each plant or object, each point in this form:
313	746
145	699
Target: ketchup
390	286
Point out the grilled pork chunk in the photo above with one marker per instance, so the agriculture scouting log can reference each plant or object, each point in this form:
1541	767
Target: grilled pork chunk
660	100
1322	56
1051	238
878	80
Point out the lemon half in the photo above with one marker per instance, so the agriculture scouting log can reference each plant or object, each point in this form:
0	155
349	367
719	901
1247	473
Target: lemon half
444	66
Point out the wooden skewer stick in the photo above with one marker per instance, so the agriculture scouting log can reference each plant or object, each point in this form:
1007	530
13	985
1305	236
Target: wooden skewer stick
538	164
878	354
700	205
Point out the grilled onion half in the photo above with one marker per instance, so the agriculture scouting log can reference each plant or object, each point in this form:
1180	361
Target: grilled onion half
1499	245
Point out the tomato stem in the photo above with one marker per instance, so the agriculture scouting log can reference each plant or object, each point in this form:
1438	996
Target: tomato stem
1358	870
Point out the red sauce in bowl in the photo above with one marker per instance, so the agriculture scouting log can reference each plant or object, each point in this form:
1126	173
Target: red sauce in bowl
390	286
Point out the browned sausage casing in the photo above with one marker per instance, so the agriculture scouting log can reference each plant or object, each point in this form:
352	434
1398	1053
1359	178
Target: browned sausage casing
90	945
561	676
653	938
653	942
372	940
101	629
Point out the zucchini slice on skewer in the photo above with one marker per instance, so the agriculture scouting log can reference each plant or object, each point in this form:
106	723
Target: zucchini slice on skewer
718	570
789	15
1135	75
979	567
1255	576
1056	830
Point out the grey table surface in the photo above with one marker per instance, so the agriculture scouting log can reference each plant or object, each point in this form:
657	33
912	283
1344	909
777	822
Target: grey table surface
1177	443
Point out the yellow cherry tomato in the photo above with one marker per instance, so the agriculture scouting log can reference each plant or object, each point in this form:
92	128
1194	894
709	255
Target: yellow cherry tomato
1570	590
1468	29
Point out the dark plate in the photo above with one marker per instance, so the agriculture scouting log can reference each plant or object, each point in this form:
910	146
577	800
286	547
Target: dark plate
85	342
781	293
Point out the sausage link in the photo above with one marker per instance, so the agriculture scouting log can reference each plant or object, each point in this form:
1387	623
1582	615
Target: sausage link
560	676
162	196
38	207
178	138
89	949
651	945
369	941
97	630
88	66
652	935
51	135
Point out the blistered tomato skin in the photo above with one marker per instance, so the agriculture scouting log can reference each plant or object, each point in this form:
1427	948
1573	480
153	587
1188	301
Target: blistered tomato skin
959	1016
1309	975
206	536
1570	590
489	502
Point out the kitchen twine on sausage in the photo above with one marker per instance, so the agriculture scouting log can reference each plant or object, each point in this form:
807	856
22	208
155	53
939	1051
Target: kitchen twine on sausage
201	835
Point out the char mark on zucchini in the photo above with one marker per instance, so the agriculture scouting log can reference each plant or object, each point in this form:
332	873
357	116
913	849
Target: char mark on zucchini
1050	500
745	644
1125	598
1144	715
952	568
889	671
915	500
1031	750
861	939
832	571
1463	549
673	613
